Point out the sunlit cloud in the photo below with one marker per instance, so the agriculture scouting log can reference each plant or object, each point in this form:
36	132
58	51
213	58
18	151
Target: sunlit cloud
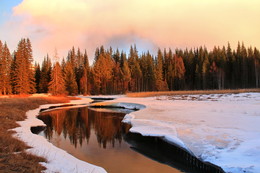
149	24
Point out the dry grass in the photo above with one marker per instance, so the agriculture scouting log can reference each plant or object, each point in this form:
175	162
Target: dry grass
169	93
13	157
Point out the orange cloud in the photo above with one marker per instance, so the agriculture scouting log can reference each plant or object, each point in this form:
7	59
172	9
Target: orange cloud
148	23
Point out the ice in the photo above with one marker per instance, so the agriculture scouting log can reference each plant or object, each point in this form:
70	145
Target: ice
131	106
221	128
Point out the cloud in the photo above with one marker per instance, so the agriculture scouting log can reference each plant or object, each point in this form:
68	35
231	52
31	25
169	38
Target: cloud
148	23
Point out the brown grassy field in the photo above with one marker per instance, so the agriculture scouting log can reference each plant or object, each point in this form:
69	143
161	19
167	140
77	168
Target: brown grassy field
169	93
13	157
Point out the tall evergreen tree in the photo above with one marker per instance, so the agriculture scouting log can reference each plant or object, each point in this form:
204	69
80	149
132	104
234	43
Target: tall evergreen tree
257	67
45	76
126	76
5	69
23	79
37	76
179	72
84	82
102	73
159	72
70	79
136	73
57	83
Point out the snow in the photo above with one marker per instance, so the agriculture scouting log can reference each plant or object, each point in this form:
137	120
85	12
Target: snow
221	129
131	106
58	159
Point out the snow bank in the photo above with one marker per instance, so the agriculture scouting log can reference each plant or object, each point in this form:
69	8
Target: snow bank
131	106
58	159
221	129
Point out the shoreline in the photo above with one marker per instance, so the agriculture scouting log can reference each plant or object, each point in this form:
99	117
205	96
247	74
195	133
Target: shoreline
56	157
133	104
184	156
14	155
185	159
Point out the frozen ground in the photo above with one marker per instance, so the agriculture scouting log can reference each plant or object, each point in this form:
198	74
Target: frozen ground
222	129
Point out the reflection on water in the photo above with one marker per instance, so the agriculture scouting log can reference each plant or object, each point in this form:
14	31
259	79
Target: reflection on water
98	138
76	125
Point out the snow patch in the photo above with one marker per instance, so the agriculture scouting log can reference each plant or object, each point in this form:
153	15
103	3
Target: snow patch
58	159
220	128
131	106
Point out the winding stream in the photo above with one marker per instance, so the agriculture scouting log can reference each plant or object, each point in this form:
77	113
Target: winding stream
100	138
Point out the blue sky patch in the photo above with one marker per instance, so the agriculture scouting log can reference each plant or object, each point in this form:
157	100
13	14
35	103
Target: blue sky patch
6	8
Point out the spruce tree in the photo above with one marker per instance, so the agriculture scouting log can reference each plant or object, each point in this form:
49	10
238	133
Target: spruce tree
83	82
45	76
5	69
70	79
23	79
136	73
160	83
57	83
37	76
126	76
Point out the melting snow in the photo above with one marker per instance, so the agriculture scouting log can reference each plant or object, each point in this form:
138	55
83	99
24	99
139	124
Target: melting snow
58	159
222	129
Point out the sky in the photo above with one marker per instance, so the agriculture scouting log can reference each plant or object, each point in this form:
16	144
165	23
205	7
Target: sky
150	24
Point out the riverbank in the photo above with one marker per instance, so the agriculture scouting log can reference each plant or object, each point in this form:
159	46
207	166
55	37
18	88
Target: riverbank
13	155
222	129
219	128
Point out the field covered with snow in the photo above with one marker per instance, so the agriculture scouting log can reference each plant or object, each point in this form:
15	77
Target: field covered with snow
222	129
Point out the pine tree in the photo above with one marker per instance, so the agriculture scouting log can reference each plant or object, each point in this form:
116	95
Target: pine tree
117	76
84	82
205	70
230	71
257	67
72	58
136	73
87	68
160	84
30	67
5	69
57	83
148	75
70	79
45	75
23	79
126	76
37	76
102	73
179	72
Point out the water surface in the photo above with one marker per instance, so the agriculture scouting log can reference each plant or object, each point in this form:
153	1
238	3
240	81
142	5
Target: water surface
98	137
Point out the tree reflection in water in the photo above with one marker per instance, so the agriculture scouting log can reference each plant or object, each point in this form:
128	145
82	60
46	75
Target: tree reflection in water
76	124
102	139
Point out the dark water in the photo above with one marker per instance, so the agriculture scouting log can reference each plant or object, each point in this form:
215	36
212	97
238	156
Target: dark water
99	138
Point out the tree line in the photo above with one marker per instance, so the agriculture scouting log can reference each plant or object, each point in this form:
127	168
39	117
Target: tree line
116	72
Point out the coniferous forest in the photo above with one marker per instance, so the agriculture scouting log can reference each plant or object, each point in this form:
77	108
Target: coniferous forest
118	72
